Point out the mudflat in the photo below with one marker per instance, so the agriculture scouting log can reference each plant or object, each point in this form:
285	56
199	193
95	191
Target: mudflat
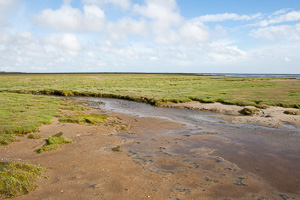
151	163
273	116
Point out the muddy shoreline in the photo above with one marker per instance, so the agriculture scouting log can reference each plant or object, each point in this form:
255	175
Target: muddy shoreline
159	159
269	117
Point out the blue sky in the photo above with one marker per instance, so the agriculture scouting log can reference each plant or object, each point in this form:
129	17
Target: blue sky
189	36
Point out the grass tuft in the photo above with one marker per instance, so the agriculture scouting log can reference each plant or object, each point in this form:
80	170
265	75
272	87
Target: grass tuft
292	112
54	142
116	149
18	178
5	139
34	136
82	118
249	111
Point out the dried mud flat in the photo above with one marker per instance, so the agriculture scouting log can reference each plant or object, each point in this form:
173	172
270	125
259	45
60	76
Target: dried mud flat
152	164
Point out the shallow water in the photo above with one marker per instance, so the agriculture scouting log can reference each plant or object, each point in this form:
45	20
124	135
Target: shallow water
273	154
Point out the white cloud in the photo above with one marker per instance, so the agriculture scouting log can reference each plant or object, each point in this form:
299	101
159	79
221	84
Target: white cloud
190	33
5	37
280	12
194	31
5	6
68	19
141	34
124	4
220	53
286	32
66	41
287	59
164	13
227	16
280	17
127	26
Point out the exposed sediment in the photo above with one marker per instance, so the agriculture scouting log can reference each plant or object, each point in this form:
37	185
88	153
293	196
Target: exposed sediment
270	117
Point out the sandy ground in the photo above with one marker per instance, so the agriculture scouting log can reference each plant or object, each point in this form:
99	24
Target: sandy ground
144	169
270	117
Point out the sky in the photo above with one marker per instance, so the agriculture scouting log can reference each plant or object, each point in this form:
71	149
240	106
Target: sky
180	36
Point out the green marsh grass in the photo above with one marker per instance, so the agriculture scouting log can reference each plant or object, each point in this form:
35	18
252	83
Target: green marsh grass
34	136
54	142
21	114
157	88
18	178
93	119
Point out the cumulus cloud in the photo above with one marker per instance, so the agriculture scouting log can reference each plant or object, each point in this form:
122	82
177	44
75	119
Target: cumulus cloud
164	13
190	33
219	52
67	18
194	31
124	4
286	32
127	26
144	32
66	41
160	20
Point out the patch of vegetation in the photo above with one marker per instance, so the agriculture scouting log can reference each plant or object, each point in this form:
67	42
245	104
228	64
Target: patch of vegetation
157	88
292	112
249	111
21	114
5	139
54	142
262	106
93	119
116	149
18	178
34	136
71	104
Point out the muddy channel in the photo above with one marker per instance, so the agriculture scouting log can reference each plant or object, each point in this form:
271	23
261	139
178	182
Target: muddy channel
221	160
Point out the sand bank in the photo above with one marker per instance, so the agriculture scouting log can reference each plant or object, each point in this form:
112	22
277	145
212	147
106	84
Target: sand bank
270	117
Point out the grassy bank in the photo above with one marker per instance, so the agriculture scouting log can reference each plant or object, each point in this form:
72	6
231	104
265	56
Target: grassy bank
155	88
24	113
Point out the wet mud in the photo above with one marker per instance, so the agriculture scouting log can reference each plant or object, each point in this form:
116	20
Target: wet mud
164	154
